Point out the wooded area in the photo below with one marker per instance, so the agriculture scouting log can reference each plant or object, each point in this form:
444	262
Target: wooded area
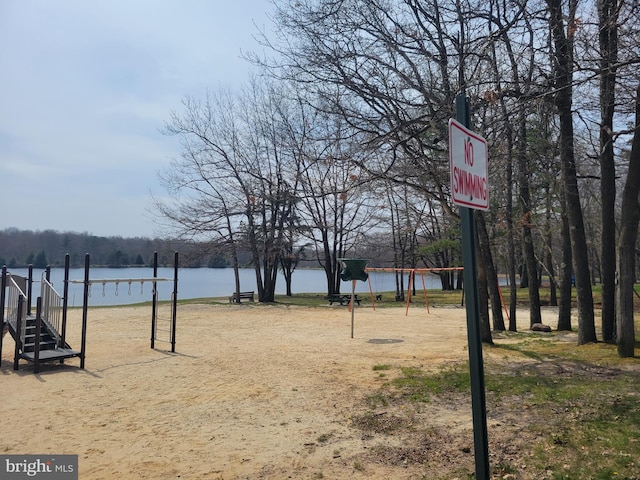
20	248
343	137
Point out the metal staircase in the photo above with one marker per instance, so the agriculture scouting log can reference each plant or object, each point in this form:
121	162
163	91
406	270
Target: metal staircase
38	338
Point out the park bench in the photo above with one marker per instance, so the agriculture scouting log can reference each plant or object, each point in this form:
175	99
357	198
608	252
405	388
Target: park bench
238	297
342	299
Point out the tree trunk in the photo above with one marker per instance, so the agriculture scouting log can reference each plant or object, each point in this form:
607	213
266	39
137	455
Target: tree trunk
329	265
287	266
548	255
629	218
566	271
511	249
524	276
608	39
490	271
483	298
563	100
236	271
527	237
270	289
269	274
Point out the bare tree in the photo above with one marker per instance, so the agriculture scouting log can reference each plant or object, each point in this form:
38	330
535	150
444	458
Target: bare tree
608	43
391	70
235	178
563	65
202	203
440	244
333	215
627	245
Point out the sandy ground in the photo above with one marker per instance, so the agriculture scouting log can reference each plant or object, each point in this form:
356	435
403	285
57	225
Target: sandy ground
251	392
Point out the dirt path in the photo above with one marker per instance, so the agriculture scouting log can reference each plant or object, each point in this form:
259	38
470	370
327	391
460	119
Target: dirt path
251	392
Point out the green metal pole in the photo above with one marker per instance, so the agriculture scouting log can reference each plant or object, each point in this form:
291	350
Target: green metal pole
476	366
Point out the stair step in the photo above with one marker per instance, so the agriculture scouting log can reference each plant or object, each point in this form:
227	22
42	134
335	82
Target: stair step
42	349
30	347
43	339
48	355
48	343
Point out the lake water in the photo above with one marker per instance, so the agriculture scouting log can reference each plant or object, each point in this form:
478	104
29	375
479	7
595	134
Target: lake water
197	283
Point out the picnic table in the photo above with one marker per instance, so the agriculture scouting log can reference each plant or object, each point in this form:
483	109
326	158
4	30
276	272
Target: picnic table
342	299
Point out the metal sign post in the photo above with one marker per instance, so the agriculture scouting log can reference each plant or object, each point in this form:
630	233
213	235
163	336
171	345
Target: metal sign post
354	270
467	221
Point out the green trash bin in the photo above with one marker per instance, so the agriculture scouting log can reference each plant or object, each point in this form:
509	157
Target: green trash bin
353	269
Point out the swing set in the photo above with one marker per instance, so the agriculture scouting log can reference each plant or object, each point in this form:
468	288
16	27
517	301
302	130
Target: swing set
421	271
412	273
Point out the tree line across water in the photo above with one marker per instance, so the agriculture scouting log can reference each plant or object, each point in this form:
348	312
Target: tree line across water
20	248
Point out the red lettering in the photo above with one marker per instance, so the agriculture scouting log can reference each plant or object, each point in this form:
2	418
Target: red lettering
468	152
469	185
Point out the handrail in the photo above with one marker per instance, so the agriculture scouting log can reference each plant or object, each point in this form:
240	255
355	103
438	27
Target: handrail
51	309
13	298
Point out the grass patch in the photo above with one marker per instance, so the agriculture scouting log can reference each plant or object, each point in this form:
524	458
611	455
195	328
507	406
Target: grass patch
377	368
435	297
380	422
418	386
377	400
556	410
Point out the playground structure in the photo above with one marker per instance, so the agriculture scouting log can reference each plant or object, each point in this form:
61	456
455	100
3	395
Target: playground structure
42	338
412	273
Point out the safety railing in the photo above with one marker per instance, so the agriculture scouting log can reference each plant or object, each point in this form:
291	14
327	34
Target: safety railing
16	315
51	308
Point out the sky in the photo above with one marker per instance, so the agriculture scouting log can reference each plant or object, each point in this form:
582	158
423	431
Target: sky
86	87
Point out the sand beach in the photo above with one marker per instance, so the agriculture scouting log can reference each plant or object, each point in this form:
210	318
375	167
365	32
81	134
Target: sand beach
252	391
